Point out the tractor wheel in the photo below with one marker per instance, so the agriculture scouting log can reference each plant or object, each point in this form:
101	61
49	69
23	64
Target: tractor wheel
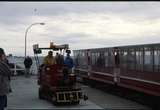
84	81
54	99
92	84
76	102
40	94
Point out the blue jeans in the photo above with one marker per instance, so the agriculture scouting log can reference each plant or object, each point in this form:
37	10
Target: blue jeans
3	102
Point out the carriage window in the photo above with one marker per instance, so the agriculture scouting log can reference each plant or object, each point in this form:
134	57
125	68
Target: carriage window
131	59
100	59
123	59
110	59
148	59
139	60
106	58
157	57
83	54
157	60
75	53
125	53
97	55
76	58
93	58
82	60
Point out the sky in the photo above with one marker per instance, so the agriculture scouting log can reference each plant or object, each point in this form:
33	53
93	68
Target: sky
80	24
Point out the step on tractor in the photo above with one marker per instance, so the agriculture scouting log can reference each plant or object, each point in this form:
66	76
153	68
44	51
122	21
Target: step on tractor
52	84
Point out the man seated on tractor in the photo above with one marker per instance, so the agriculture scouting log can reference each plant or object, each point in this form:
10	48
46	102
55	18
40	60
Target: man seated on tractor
49	59
68	65
59	59
68	62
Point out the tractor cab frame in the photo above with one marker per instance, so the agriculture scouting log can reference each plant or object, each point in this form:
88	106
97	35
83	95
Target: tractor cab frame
52	84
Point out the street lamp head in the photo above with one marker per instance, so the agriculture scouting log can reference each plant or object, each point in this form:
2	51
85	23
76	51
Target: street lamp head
42	23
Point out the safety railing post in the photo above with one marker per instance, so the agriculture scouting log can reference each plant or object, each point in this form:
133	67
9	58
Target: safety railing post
15	68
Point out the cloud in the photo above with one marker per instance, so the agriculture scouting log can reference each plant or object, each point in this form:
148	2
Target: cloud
80	24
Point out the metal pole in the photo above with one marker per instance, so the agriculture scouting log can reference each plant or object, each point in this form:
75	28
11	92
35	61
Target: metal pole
26	35
26	41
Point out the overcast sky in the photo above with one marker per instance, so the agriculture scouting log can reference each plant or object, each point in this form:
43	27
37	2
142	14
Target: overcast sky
79	24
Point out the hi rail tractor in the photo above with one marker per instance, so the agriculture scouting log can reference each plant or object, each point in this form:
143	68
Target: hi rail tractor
52	86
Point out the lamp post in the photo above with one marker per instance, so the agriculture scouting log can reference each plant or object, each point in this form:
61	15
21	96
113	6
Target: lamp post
27	32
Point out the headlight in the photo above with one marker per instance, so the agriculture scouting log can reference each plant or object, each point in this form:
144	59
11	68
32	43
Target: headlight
72	74
47	69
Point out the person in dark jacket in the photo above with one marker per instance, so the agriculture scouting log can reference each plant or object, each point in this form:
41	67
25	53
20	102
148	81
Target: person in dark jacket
68	65
69	62
28	64
59	59
5	74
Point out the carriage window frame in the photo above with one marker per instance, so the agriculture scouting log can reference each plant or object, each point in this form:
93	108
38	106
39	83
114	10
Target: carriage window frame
148	59
157	60
101	59
139	59
131	59
106	58
93	58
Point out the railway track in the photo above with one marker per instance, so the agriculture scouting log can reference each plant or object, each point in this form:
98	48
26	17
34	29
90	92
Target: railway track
141	98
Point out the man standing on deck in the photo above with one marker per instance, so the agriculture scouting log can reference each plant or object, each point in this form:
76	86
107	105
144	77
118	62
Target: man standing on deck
27	63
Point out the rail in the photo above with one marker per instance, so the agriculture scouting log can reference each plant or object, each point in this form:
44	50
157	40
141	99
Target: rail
18	65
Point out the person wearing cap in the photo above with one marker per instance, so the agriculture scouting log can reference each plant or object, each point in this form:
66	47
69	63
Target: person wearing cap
5	74
69	62
49	59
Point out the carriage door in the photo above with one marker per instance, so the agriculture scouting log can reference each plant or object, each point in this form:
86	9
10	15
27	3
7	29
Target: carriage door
89	61
116	65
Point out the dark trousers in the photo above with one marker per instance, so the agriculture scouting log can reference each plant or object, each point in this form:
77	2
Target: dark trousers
3	102
27	72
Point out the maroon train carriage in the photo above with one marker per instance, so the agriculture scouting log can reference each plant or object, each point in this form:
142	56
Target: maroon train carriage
136	67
